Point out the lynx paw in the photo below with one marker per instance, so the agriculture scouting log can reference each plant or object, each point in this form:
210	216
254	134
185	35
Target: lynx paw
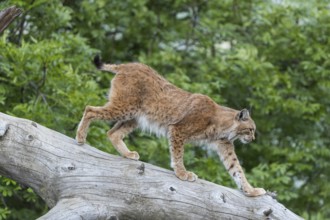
255	192
133	155
186	176
81	139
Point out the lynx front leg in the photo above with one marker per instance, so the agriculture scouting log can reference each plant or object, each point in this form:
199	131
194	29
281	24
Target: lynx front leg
177	151
116	135
228	157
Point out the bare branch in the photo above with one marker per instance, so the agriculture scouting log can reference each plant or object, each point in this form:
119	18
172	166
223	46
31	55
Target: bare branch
8	15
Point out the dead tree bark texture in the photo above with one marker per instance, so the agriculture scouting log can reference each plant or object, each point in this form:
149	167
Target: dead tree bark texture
81	182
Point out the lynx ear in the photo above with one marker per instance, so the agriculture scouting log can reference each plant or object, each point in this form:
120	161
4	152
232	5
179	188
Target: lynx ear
243	115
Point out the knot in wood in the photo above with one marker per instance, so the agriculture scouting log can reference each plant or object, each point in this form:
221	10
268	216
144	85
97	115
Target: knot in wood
141	168
223	197
172	188
29	137
3	128
71	168
268	212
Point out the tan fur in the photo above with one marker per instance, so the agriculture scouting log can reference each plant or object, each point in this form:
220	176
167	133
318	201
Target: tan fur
139	97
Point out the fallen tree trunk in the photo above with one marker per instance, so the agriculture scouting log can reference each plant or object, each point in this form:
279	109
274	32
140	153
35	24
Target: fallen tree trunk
81	182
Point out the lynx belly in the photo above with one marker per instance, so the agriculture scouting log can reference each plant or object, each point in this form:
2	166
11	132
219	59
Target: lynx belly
151	126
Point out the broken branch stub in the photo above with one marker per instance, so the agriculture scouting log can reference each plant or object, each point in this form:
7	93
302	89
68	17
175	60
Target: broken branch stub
7	16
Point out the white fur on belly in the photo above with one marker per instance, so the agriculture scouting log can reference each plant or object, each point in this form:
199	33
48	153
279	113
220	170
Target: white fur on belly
151	126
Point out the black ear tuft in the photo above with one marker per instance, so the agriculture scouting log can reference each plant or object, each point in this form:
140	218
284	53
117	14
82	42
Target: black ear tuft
243	115
98	62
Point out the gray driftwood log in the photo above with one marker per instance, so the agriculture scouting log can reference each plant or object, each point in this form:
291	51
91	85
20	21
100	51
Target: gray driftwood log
81	182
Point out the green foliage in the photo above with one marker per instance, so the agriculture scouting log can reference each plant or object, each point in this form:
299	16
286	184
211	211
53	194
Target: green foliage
269	56
4	212
17	203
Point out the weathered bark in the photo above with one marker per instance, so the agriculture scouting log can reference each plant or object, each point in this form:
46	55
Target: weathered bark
7	16
81	182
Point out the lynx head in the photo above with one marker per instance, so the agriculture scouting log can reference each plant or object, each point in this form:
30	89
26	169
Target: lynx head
245	127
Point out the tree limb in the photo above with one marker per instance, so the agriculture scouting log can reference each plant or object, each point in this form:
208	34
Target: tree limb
81	182
7	16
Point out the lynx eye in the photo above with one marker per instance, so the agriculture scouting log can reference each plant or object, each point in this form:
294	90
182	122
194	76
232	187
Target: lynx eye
247	131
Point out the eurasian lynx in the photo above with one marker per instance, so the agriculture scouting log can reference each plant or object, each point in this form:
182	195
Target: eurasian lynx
139	97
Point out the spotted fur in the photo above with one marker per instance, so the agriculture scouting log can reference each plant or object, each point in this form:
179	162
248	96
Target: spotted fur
140	97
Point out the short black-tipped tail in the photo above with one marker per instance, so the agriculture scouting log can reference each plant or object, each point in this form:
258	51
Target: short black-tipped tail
103	66
98	62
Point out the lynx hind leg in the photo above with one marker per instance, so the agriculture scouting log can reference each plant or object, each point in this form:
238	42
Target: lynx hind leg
90	113
117	134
